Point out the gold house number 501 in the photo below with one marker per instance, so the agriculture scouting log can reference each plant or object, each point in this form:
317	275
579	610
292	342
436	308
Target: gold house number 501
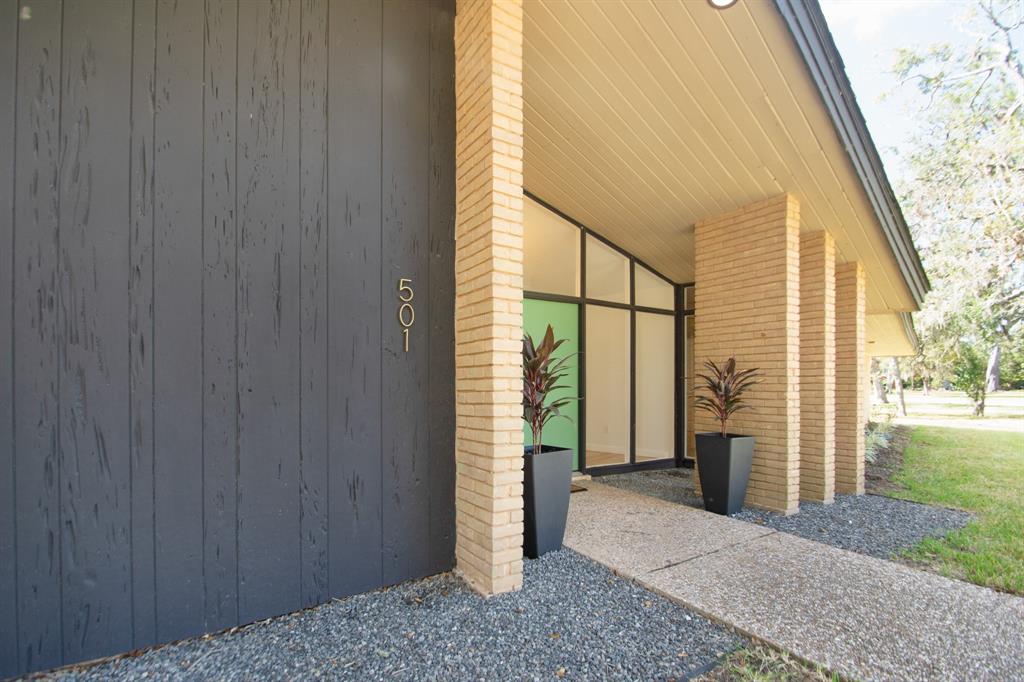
406	313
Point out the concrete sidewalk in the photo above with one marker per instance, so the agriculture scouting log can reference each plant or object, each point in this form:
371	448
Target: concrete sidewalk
861	617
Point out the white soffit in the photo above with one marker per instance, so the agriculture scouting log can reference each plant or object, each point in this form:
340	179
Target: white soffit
887	337
643	117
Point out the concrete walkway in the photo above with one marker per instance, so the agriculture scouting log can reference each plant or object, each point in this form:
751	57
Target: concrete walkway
861	617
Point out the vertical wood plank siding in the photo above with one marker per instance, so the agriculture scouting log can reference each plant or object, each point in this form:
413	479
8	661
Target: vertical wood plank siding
220	387
8	577
207	413
37	346
177	318
268	306
314	417
92	310
141	407
405	175
354	261
441	293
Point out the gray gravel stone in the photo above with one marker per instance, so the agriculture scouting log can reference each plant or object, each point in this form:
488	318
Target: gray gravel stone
572	618
869	524
671	485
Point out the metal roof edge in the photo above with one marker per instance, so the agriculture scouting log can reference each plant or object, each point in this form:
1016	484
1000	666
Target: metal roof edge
813	39
908	328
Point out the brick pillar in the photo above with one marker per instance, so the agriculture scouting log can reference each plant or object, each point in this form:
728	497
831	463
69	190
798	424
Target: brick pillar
851	377
866	378
489	293
817	366
748	305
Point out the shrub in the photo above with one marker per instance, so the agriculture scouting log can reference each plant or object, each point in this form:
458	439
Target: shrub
541	374
969	376
725	386
877	436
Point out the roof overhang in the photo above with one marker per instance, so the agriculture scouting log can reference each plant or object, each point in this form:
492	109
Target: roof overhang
810	31
641	118
891	335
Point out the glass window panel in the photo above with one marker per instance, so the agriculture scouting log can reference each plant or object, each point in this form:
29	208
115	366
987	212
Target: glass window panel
690	442
655	388
652	291
551	252
688	332
608	386
688	299
607	272
688	370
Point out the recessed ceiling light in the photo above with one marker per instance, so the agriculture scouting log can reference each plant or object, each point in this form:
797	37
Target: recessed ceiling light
722	4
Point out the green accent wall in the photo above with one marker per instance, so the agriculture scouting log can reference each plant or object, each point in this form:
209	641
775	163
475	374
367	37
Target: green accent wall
564	320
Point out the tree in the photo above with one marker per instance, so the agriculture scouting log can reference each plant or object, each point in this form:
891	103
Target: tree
919	367
877	385
964	198
897	378
969	373
992	371
1012	369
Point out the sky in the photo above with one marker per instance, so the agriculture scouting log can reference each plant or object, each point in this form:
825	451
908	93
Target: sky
868	33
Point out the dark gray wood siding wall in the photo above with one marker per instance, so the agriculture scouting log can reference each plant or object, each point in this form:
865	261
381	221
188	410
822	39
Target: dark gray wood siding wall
207	414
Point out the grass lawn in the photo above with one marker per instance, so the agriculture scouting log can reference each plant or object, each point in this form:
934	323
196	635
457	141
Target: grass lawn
761	664
1004	411
954	461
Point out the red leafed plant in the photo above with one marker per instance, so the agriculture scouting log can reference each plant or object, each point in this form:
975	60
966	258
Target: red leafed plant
541	374
726	387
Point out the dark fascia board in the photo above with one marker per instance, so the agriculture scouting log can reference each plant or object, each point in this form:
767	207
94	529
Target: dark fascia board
810	31
908	328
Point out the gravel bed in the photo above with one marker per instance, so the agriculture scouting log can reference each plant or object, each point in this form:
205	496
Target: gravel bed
671	485
573	619
869	524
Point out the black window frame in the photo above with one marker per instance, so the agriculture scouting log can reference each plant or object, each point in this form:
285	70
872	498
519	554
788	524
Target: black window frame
582	301
682	426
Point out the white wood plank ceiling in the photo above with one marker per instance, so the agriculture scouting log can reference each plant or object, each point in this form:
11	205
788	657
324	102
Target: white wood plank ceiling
643	116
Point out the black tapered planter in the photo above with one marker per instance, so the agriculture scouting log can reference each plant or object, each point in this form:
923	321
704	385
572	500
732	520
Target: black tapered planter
724	466
547	478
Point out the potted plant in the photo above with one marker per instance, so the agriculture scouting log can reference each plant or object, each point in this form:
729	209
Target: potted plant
723	458
547	470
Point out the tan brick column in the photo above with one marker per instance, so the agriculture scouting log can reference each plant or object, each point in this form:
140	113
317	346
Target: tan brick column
489	293
851	377
748	305
817	366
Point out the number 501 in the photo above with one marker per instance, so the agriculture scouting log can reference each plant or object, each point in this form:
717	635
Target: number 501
406	313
